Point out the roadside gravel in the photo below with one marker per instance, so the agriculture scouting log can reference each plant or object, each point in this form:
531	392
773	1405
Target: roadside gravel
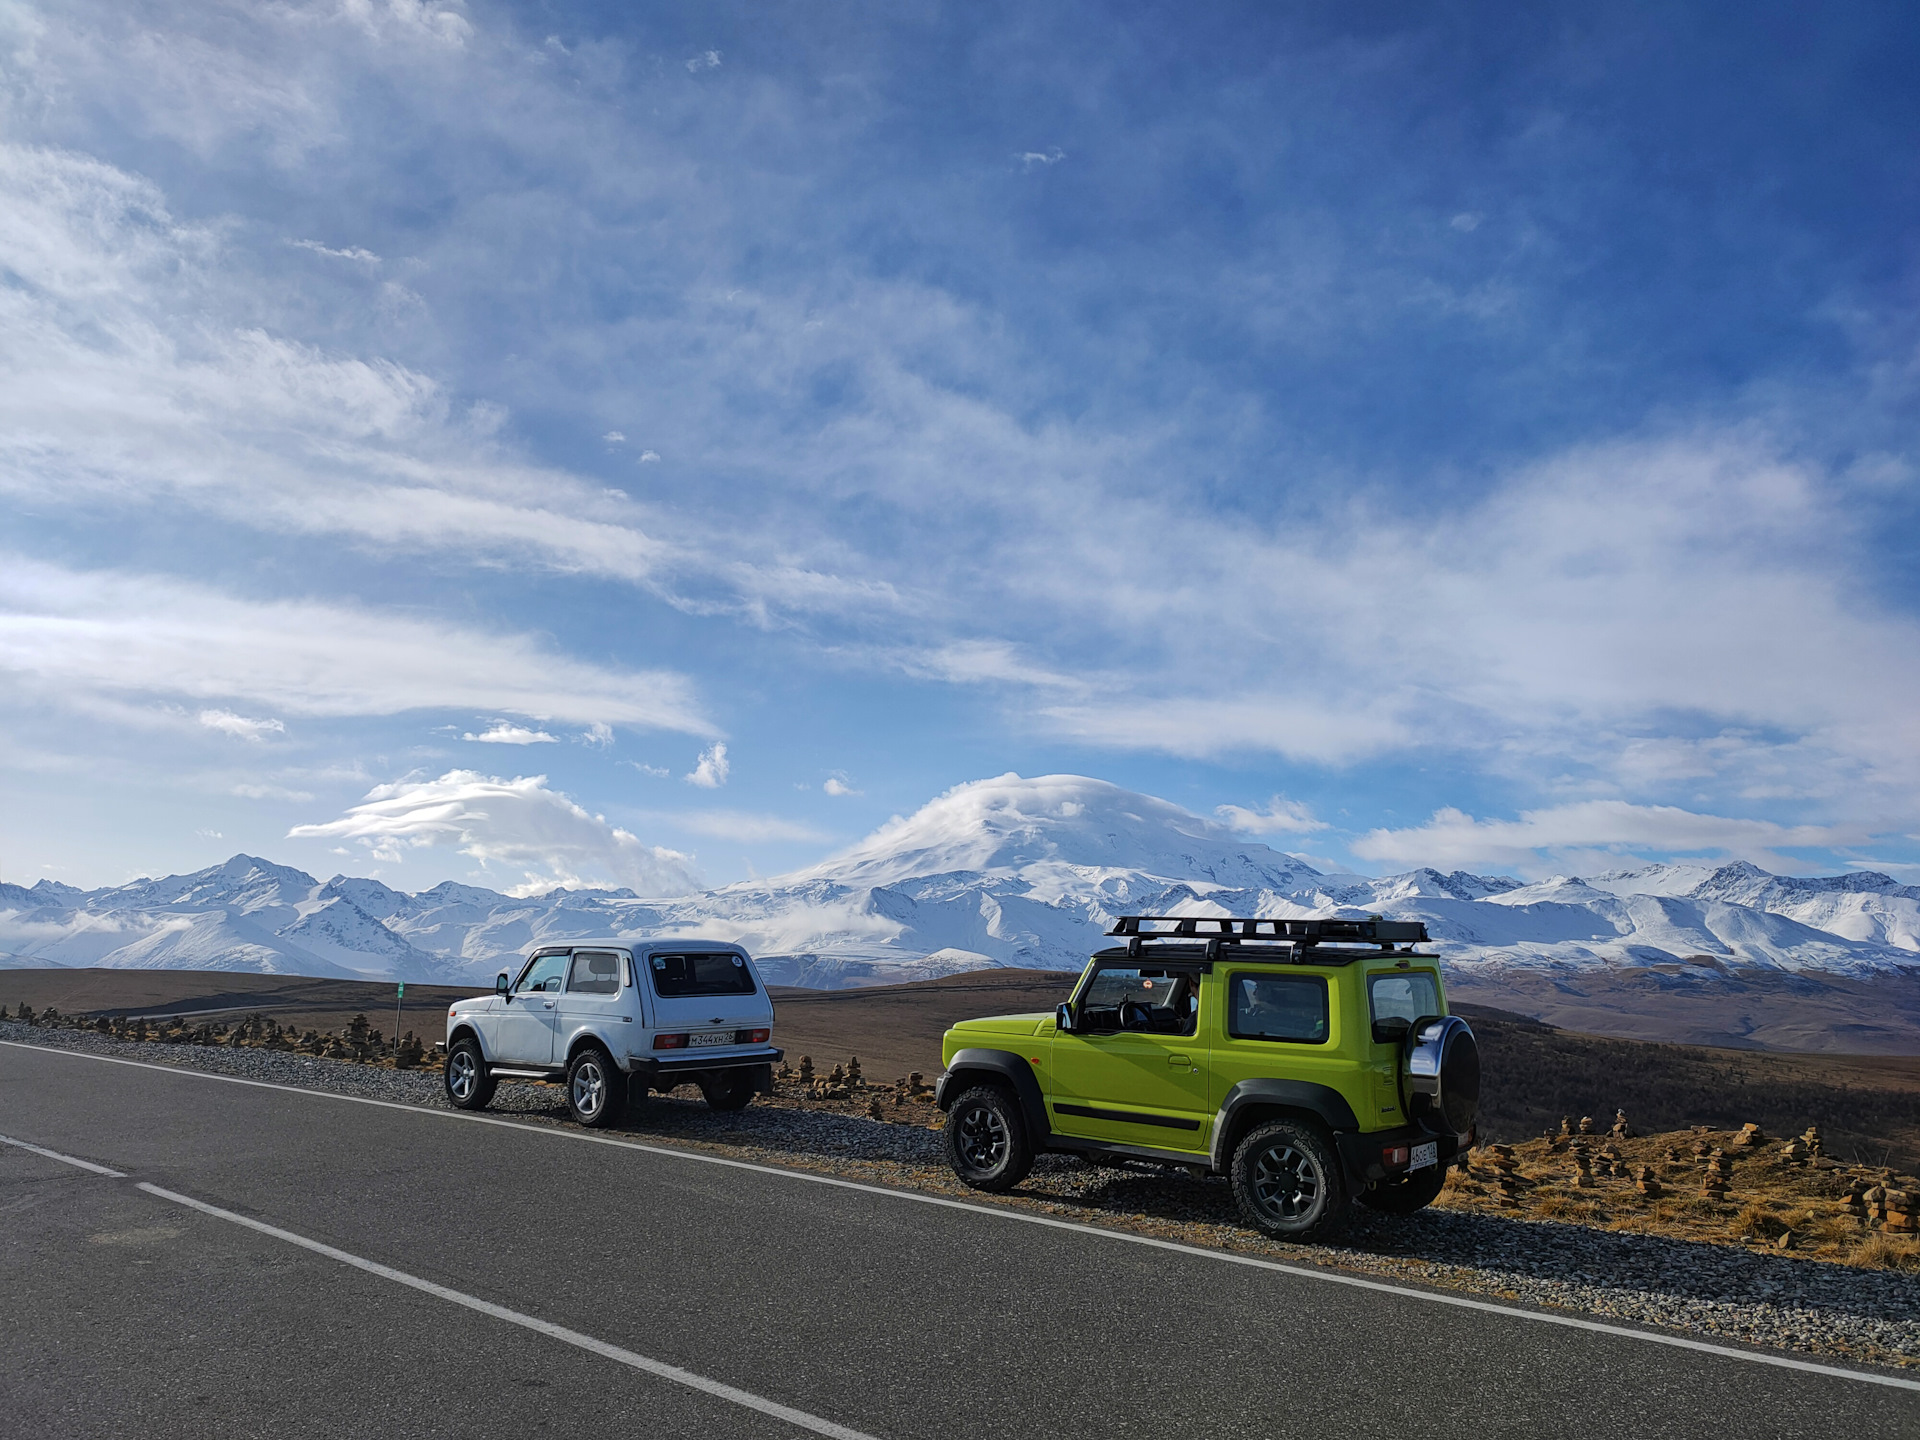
1776	1301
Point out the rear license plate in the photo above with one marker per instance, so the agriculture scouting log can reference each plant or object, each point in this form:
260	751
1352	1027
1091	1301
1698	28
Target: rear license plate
725	1037
1425	1155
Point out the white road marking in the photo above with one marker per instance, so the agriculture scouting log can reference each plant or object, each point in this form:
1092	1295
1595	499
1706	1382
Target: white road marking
1303	1272
63	1159
731	1394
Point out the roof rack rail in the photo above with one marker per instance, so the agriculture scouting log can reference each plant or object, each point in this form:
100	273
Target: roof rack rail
1236	930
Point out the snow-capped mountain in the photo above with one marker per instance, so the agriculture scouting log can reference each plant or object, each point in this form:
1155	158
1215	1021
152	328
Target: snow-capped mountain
1007	871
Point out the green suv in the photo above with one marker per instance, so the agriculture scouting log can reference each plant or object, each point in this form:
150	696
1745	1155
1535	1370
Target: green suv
1312	1062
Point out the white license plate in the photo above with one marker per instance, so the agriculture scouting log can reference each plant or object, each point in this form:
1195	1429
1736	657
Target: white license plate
1425	1155
725	1037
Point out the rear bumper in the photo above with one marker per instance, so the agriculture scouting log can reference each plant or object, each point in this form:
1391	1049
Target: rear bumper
1361	1151
677	1068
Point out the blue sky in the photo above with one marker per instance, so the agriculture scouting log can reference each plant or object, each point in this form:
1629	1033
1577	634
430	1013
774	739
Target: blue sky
1411	436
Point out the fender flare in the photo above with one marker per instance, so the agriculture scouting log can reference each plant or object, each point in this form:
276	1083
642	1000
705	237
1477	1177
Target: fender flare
588	1035
1004	1065
1322	1101
466	1029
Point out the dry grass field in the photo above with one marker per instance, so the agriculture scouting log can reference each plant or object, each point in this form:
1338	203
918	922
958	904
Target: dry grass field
1867	1107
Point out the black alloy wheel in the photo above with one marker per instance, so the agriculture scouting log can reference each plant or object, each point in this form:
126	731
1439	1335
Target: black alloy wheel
986	1139
1287	1182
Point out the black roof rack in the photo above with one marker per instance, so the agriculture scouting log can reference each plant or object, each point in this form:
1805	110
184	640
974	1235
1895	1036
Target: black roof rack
1239	930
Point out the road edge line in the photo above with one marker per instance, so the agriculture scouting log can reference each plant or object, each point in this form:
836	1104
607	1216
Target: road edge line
1304	1272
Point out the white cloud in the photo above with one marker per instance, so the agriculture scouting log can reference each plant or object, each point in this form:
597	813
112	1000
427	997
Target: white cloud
70	633
1453	839
745	827
238	726
517	824
599	735
656	772
503	732
706	60
1466	222
1281	817
272	792
649	457
838	784
614	437
363	257
1030	158
712	770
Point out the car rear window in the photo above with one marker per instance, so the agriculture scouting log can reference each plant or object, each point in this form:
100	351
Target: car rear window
709	973
1408	995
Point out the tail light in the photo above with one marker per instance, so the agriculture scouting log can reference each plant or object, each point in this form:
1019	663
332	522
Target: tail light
670	1042
751	1037
1394	1156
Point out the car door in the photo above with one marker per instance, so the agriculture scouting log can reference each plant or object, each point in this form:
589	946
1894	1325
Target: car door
592	1001
524	1030
1132	1070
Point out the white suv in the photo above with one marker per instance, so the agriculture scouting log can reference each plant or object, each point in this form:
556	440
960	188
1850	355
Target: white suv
582	1012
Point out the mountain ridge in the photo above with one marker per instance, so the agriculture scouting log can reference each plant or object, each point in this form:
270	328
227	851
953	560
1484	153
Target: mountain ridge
1003	871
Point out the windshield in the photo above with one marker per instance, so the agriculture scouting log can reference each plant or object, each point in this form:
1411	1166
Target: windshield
711	972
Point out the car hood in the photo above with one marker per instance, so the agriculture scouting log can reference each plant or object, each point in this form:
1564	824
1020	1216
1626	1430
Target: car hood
1003	1025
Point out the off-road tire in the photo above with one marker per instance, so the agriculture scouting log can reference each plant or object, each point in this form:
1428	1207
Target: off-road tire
469	1086
596	1088
729	1090
986	1139
1407	1194
1287	1182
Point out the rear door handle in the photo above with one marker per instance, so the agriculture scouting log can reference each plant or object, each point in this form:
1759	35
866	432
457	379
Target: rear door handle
1180	1060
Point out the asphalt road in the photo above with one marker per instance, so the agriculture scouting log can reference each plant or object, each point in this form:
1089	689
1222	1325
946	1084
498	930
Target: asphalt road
842	1309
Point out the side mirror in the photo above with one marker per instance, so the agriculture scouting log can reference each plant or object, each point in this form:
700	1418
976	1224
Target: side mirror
500	983
1063	1019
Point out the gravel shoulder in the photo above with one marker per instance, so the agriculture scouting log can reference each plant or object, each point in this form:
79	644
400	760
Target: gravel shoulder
1775	1301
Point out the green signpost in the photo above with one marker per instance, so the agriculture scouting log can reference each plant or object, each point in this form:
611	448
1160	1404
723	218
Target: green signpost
397	994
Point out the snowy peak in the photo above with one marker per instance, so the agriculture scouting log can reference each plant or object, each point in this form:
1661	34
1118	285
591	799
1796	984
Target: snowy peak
1011	825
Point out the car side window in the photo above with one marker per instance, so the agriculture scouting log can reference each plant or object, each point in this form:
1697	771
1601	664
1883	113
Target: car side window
1278	1007
594	972
544	976
1141	998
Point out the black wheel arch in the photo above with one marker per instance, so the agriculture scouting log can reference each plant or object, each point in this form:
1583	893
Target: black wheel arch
1005	1068
467	1032
1254	1102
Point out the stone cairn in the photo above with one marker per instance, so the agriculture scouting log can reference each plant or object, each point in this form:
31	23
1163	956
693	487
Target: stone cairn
1582	1168
1647	1183
1901	1209
1586	1125
1750	1137
1621	1129
1507	1178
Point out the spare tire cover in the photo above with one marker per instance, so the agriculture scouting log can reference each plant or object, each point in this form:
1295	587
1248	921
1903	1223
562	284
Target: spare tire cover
1443	1073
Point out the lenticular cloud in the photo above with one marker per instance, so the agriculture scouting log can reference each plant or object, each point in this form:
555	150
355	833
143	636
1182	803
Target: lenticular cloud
516	824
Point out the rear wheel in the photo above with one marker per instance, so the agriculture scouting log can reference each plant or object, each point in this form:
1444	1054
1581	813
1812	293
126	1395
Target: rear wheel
728	1090
1407	1194
595	1088
1287	1182
986	1139
469	1087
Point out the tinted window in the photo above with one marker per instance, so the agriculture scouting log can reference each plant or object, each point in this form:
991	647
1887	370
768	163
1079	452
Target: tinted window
1405	995
1278	1007
1162	1002
700	974
595	972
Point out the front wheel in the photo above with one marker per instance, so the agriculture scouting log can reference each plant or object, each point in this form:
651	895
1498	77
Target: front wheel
595	1088
469	1087
1407	1194
986	1139
729	1090
1287	1182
